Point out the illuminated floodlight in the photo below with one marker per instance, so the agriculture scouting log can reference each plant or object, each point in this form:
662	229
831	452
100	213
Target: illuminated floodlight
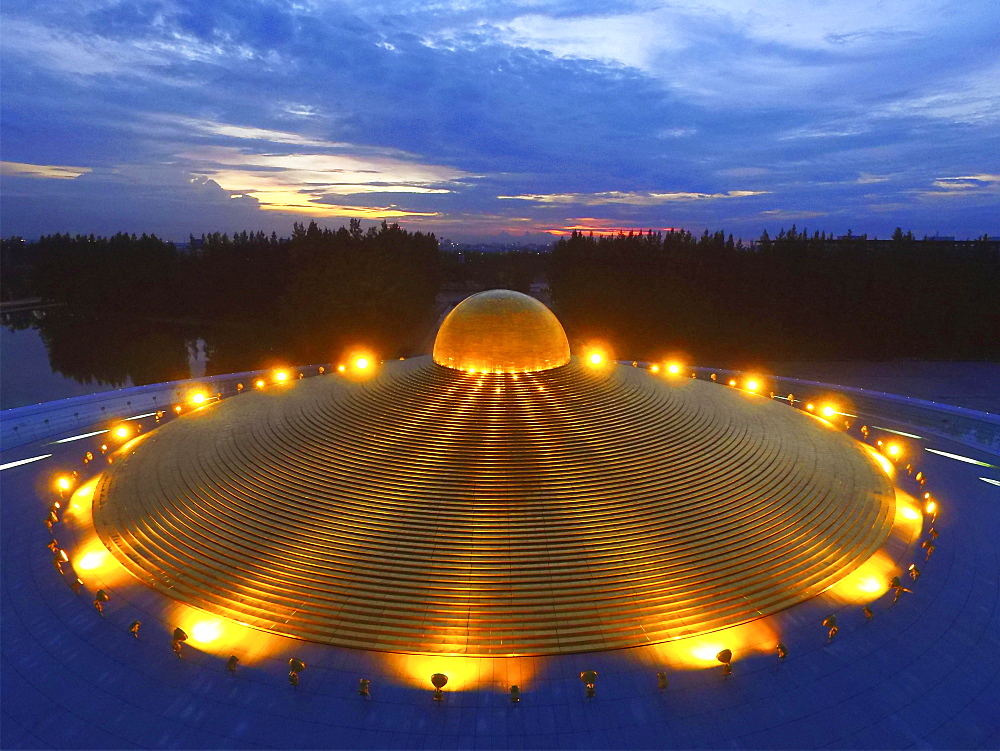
732	382
589	680
752	385
362	363
64	483
595	358
122	432
893	449
259	383
810	407
177	409
673	368
198	398
281	376
930	507
439	681
654	368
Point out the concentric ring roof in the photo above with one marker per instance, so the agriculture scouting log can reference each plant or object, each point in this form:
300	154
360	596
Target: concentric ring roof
429	510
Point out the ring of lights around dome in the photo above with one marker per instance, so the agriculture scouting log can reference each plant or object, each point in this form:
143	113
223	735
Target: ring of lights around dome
430	511
501	331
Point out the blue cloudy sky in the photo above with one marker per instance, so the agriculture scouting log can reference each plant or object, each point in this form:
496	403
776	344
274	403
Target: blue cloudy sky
473	118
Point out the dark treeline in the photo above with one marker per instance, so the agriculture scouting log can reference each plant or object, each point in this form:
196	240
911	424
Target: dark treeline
795	296
133	306
262	299
507	269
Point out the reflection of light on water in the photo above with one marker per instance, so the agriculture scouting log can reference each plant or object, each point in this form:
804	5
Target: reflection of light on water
197	358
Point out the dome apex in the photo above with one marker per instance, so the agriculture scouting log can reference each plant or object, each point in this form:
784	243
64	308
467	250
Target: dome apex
501	331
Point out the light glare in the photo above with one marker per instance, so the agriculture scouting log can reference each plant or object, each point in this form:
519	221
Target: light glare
206	631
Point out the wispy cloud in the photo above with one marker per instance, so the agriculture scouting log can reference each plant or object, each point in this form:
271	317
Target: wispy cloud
41	171
968	183
194	126
866	178
305	182
632	198
966	186
792	214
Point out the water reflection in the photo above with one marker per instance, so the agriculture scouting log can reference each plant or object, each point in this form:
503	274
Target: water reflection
60	351
92	352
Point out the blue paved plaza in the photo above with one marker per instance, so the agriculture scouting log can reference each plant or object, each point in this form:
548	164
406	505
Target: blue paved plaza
923	673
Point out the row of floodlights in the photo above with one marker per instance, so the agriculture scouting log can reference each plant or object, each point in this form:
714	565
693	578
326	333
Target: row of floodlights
440	680
123	431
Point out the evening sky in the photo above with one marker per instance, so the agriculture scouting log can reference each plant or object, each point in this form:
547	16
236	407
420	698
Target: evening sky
471	118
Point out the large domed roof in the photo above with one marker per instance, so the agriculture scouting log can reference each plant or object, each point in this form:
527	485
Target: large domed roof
435	511
501	331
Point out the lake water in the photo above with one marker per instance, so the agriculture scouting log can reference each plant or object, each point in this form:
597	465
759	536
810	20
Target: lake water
43	359
52	354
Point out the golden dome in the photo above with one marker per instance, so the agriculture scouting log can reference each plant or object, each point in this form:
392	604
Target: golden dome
424	510
501	331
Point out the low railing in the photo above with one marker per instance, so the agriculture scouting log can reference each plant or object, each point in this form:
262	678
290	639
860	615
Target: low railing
22	425
970	427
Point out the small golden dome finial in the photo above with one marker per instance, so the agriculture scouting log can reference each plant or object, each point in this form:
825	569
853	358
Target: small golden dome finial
501	331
